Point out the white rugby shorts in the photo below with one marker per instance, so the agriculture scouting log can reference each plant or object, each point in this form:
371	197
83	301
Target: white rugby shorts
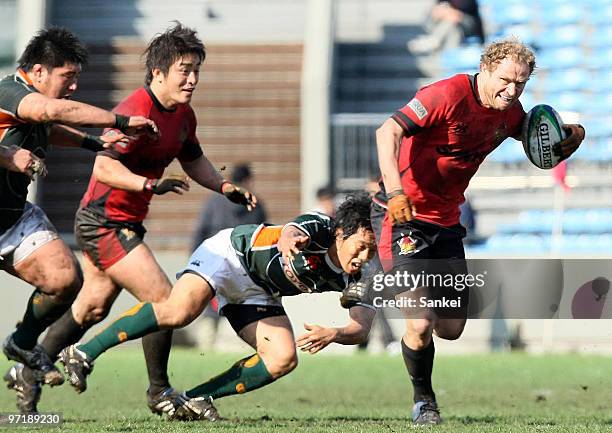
216	261
29	233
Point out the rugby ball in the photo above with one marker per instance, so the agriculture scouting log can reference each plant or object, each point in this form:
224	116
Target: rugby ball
542	129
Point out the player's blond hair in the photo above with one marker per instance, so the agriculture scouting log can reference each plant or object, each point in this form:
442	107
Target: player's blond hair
511	48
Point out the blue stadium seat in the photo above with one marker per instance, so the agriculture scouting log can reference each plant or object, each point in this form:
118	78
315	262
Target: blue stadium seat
561	14
600	14
600	59
527	99
601	82
559	58
600	36
561	36
565	80
591	150
510	151
511	13
566	101
522	31
461	59
598	128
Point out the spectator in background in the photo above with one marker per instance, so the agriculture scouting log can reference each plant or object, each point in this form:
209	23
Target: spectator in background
219	213
449	24
326	201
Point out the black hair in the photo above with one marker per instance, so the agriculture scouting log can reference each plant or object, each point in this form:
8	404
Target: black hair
325	192
353	214
241	172
52	48
166	48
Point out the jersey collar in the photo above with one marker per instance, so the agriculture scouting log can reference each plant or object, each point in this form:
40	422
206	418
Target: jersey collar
474	85
331	265
23	76
158	104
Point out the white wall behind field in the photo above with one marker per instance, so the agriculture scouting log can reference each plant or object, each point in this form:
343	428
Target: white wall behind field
226	21
589	336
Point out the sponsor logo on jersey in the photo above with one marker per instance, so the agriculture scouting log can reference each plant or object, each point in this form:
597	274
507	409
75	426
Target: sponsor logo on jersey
312	262
290	274
418	108
195	263
407	245
127	233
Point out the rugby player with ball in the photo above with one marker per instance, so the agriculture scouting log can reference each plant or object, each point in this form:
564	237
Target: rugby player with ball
428	151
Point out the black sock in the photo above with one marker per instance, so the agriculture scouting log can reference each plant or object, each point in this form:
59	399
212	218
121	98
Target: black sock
420	365
156	349
64	332
42	311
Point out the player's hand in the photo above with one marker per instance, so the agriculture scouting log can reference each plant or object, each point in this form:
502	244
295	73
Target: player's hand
568	146
178	184
399	209
23	161
136	125
107	140
316	339
353	294
291	242
238	195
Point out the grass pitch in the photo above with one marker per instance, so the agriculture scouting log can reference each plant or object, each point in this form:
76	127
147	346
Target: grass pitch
360	393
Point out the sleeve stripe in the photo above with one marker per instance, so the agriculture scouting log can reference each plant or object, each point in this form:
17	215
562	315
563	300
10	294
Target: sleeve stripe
406	123
267	237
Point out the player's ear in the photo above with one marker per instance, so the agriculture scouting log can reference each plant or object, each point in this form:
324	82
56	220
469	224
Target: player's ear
37	70
158	75
339	236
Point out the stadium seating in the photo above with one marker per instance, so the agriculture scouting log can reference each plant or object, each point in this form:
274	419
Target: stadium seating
583	231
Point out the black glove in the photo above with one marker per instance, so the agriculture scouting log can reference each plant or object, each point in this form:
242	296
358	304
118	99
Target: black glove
354	294
238	195
166	184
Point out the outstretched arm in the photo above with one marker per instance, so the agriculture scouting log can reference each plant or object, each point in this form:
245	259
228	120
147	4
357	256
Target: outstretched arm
388	140
65	136
203	172
38	108
355	332
113	173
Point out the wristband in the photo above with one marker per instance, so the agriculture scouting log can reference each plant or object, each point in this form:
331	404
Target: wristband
149	185
121	122
93	143
395	193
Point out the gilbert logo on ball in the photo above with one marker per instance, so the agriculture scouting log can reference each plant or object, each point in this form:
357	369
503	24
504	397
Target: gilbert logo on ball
542	129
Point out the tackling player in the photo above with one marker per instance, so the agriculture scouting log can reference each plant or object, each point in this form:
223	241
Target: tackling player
34	112
428	151
109	224
249	268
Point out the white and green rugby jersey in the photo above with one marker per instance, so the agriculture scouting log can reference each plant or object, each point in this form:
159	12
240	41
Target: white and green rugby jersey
311	271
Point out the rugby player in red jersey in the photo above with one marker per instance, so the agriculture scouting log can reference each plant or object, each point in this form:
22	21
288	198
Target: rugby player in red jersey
428	151
109	223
